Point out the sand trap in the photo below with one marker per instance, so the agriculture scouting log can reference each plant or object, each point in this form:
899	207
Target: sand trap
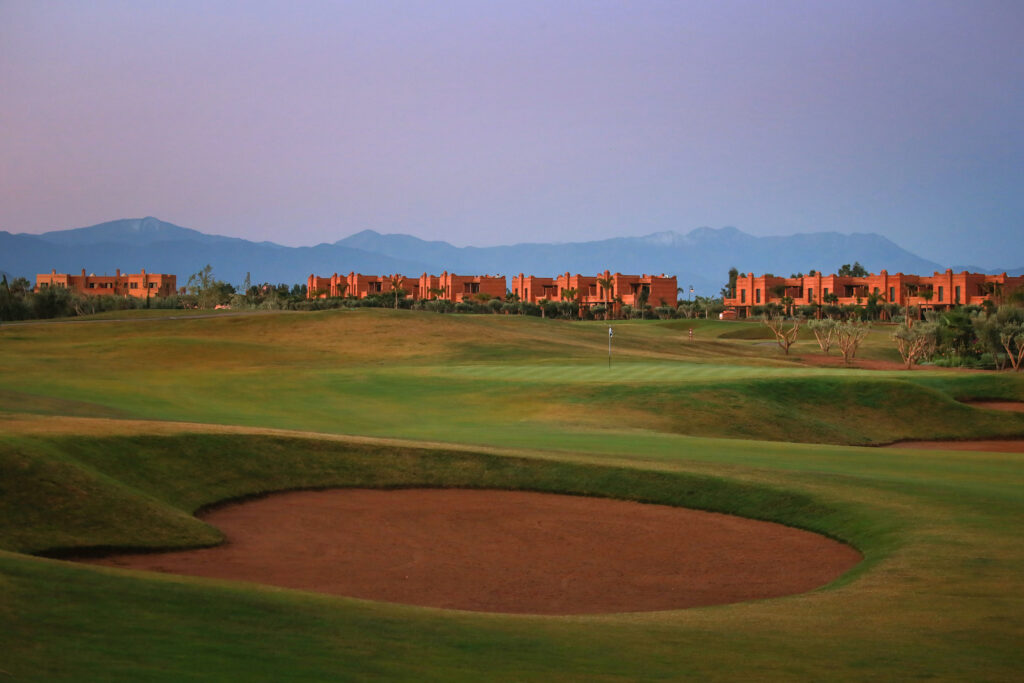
992	445
505	551
1010	406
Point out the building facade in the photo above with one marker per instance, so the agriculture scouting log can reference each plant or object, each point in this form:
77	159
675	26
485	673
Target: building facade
603	289
447	285
139	285
940	291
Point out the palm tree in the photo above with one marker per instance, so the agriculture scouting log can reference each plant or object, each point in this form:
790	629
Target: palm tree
570	294
396	286
606	289
872	304
787	302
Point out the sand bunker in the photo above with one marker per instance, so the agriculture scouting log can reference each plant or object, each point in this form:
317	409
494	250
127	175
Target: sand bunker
505	551
1009	406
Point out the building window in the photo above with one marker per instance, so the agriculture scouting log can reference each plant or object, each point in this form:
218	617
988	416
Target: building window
826	291
92	285
940	292
134	285
757	295
892	295
956	298
810	294
876	290
743	296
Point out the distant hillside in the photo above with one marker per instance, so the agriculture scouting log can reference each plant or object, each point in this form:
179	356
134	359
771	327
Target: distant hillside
701	257
165	248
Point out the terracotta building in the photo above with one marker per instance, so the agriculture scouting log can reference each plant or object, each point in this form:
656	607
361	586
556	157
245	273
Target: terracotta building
589	290
444	286
940	291
140	285
358	285
461	287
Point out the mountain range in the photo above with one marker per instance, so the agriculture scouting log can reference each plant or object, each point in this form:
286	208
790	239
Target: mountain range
701	257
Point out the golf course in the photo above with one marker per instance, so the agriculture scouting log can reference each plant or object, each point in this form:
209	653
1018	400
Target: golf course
121	432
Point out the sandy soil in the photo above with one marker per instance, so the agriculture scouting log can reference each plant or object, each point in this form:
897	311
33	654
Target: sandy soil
505	551
1010	406
835	360
992	445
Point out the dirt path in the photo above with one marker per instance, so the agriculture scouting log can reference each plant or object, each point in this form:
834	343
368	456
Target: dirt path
506	551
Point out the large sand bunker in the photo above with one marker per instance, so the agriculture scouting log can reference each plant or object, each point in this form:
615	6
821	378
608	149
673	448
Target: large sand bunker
506	551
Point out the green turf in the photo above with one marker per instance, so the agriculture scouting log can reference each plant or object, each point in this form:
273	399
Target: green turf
938	596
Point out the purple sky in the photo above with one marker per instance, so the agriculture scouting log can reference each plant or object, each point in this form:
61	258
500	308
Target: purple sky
494	123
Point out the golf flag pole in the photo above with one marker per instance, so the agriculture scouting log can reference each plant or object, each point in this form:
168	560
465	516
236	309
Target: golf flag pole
610	335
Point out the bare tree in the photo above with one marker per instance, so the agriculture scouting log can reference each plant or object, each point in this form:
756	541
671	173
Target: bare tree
849	336
825	332
915	343
784	337
1010	339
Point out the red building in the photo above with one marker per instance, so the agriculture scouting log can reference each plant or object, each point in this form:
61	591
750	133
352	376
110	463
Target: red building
445	286
597	290
139	285
940	291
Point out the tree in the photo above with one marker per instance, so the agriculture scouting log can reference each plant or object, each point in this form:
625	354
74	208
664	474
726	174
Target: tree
873	306
787	303
849	336
729	291
915	343
396	286
1012	339
606	290
641	299
856	270
247	289
784	337
825	332
205	288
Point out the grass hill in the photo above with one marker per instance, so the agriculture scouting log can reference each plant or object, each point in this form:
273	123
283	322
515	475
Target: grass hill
113	433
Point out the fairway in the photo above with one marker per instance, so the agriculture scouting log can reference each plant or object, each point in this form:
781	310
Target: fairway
122	435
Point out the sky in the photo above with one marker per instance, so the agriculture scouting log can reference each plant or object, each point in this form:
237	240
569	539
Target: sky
483	123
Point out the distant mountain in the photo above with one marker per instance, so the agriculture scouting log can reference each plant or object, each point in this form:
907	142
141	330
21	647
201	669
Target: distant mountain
1013	272
159	247
700	258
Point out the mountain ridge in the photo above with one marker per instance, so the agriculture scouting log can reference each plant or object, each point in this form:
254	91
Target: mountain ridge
700	257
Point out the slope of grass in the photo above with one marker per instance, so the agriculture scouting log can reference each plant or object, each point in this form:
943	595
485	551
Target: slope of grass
520	403
66	619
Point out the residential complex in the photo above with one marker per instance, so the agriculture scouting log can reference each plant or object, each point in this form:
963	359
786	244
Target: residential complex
140	285
606	288
444	286
940	291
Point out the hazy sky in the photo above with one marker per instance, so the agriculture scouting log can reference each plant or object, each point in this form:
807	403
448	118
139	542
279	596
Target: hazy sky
500	122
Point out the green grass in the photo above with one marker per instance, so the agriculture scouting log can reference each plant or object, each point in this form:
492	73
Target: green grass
505	402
